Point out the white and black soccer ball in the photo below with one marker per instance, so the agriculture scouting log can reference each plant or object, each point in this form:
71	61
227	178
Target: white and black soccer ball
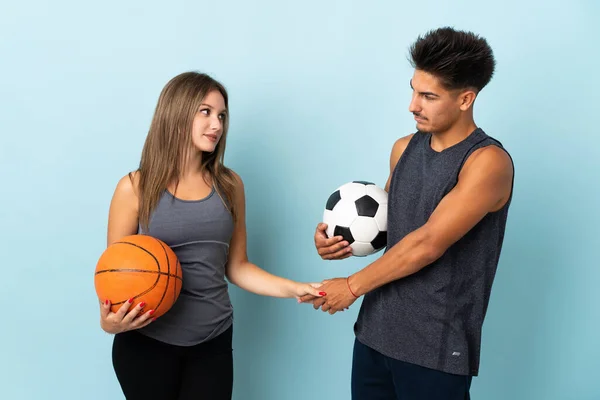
357	211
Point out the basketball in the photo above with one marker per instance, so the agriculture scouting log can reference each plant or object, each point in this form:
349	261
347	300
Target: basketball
139	267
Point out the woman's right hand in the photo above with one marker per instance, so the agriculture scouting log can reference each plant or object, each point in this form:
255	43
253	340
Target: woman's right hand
124	320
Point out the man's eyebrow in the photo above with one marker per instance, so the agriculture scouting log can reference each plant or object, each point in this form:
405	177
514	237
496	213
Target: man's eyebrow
424	93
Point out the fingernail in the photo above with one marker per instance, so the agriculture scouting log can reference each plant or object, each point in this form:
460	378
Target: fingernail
322	294
151	312
106	302
153	319
130	300
299	301
142	304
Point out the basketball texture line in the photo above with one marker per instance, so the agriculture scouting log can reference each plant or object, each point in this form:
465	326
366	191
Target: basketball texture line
145	271
168	275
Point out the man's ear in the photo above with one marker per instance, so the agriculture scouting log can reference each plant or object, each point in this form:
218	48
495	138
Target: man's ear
466	99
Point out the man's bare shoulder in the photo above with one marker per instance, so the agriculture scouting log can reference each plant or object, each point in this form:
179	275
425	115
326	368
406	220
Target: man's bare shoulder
492	159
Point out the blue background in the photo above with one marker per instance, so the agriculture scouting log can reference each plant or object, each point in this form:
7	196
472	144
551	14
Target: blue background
319	93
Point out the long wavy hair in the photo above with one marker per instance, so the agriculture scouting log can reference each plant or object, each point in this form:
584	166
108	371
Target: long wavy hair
169	141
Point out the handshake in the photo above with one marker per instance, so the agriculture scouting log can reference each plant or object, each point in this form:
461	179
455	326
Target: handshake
335	294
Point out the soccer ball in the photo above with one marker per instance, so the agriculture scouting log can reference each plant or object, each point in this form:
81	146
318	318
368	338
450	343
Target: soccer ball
357	211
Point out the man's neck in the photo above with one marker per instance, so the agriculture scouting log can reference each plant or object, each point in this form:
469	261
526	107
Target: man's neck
456	134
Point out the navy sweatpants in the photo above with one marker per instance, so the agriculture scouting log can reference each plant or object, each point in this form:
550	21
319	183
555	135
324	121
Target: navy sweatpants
378	377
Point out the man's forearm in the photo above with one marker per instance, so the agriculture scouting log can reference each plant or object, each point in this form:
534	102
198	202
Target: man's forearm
408	256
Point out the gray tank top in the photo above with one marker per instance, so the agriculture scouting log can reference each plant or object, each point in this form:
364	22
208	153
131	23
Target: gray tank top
434	317
199	232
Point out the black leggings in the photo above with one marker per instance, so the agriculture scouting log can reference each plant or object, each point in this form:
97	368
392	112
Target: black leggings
148	369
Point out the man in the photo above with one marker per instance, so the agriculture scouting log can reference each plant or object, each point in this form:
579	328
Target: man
418	332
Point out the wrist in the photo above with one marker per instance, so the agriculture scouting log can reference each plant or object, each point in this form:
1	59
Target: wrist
350	288
291	289
355	285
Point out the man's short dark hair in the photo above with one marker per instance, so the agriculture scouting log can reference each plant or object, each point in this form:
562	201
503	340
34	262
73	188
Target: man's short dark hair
459	59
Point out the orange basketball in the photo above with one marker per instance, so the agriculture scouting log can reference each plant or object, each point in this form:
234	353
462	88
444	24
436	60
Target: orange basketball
139	267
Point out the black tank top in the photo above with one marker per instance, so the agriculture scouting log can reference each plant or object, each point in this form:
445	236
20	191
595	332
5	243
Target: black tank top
434	317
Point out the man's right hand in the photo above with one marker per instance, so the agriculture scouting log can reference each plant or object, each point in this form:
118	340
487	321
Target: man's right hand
335	248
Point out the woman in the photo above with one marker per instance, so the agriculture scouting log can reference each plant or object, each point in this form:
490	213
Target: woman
184	195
